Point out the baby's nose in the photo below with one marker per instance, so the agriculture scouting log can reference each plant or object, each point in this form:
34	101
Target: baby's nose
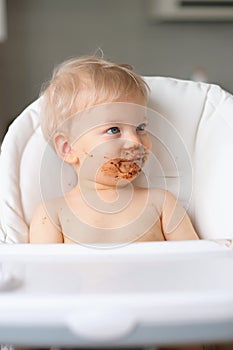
132	140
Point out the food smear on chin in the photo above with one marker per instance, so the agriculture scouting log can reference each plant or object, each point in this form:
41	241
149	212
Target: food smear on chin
122	168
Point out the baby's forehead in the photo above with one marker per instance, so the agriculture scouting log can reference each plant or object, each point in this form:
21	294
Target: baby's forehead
100	115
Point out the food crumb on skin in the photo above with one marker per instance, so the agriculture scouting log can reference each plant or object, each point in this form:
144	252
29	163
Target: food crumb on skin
89	155
44	220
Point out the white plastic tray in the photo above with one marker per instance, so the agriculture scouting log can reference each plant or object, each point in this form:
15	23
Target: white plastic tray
141	294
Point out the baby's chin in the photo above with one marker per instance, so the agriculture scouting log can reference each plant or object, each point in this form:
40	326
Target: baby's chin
122	168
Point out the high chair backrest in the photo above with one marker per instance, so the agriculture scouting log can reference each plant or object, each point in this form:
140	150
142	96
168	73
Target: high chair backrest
191	125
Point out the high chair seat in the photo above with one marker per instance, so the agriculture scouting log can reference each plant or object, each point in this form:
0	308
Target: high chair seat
191	125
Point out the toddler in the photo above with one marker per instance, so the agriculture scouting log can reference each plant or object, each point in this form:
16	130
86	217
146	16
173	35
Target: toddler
94	115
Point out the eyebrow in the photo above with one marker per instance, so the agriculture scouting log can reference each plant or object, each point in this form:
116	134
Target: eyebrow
122	121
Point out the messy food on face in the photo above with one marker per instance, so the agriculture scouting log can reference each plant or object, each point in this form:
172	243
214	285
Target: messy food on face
123	168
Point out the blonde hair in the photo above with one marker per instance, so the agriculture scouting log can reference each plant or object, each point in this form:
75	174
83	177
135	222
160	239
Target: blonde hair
80	83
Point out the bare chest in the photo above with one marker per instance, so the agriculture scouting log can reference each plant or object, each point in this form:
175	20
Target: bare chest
136	222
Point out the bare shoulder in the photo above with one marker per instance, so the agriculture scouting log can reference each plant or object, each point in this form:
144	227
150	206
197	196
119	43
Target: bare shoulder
48	209
176	224
45	226
162	197
158	198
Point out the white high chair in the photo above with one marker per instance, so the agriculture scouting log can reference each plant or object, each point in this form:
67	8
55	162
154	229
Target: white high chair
193	147
70	295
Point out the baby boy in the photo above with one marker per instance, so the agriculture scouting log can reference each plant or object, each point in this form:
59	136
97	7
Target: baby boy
94	115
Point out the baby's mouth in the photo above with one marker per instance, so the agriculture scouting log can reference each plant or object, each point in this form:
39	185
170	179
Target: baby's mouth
124	168
129	167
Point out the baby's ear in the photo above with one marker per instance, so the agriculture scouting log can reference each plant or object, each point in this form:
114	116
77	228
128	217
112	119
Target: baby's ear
64	149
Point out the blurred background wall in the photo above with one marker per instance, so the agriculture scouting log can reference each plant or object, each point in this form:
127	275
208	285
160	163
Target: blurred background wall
42	33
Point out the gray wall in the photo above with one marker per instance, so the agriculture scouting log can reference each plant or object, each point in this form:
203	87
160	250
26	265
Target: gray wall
42	33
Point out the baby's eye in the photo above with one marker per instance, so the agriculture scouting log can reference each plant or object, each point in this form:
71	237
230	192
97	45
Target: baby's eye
141	127
114	130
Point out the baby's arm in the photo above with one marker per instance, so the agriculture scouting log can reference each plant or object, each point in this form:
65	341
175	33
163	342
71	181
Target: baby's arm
176	224
42	229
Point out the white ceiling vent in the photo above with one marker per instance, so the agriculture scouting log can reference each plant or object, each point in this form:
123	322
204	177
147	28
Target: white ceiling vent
191	10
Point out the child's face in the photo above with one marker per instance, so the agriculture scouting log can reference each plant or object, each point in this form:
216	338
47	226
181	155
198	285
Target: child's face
111	142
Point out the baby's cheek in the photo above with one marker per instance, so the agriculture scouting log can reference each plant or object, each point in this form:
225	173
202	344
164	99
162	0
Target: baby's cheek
147	143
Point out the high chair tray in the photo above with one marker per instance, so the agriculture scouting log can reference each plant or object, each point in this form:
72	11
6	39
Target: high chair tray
140	294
